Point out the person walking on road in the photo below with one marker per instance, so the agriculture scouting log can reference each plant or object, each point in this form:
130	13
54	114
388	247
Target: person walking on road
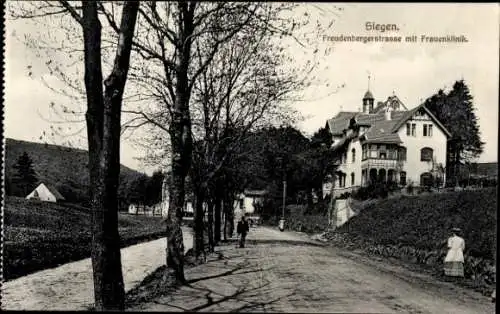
454	260
242	230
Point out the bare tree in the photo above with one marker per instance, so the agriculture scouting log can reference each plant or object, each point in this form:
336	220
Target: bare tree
173	69
178	42
103	134
171	33
242	90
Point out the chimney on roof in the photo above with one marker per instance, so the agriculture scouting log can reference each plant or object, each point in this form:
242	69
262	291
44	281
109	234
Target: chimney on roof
388	113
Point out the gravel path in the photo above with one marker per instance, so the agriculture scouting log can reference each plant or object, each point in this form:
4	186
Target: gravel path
70	286
288	272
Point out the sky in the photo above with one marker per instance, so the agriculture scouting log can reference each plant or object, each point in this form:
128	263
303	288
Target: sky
412	71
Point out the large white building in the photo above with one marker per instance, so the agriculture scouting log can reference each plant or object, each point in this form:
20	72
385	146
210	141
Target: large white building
387	142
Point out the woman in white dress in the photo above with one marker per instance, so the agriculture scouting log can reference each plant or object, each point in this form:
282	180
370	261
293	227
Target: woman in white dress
454	260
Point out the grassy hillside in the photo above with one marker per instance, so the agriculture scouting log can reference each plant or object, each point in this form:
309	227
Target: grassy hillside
39	235
56	165
415	229
424	221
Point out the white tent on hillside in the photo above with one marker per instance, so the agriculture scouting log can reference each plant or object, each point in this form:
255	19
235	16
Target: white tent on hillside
46	193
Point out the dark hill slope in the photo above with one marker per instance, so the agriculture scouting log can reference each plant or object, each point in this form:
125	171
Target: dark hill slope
63	167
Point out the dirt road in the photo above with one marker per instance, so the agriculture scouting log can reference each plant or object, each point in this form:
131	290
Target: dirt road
287	272
70	286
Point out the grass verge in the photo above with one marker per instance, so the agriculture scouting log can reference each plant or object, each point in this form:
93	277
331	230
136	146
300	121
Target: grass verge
41	235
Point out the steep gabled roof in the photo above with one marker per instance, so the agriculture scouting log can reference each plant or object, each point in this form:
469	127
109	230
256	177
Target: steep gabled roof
380	106
346	140
51	189
392	101
55	192
410	114
340	122
381	129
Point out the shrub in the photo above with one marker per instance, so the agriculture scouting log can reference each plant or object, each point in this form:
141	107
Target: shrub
375	190
319	208
344	195
308	224
410	188
424	221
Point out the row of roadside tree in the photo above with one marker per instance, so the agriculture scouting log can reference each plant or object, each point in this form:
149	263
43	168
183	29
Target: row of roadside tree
208	83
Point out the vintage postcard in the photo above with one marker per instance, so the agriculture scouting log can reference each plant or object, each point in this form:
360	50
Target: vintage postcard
250	156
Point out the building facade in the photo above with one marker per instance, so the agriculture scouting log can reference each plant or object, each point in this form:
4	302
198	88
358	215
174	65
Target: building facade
387	143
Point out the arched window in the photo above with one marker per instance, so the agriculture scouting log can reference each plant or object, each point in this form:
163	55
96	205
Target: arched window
352	178
426	179
373	175
342	180
382	175
390	175
426	154
402	178
353	151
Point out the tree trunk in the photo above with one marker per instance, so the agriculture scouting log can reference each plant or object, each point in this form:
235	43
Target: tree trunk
181	143
175	240
103	131
225	224
229	215
309	198
320	191
198	243
217	227
211	226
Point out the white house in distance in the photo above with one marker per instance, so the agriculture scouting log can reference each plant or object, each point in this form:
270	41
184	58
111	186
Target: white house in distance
387	143
161	208
247	202
46	193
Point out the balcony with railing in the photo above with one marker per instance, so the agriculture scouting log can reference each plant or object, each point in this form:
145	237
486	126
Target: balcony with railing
377	163
383	156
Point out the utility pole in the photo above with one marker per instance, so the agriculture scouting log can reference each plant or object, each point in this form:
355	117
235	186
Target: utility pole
284	199
282	220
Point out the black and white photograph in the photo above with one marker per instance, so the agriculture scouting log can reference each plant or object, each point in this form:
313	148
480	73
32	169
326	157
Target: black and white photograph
218	156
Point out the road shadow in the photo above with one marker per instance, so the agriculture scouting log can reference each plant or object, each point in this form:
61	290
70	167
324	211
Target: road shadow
242	294
232	280
162	281
240	285
227	266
